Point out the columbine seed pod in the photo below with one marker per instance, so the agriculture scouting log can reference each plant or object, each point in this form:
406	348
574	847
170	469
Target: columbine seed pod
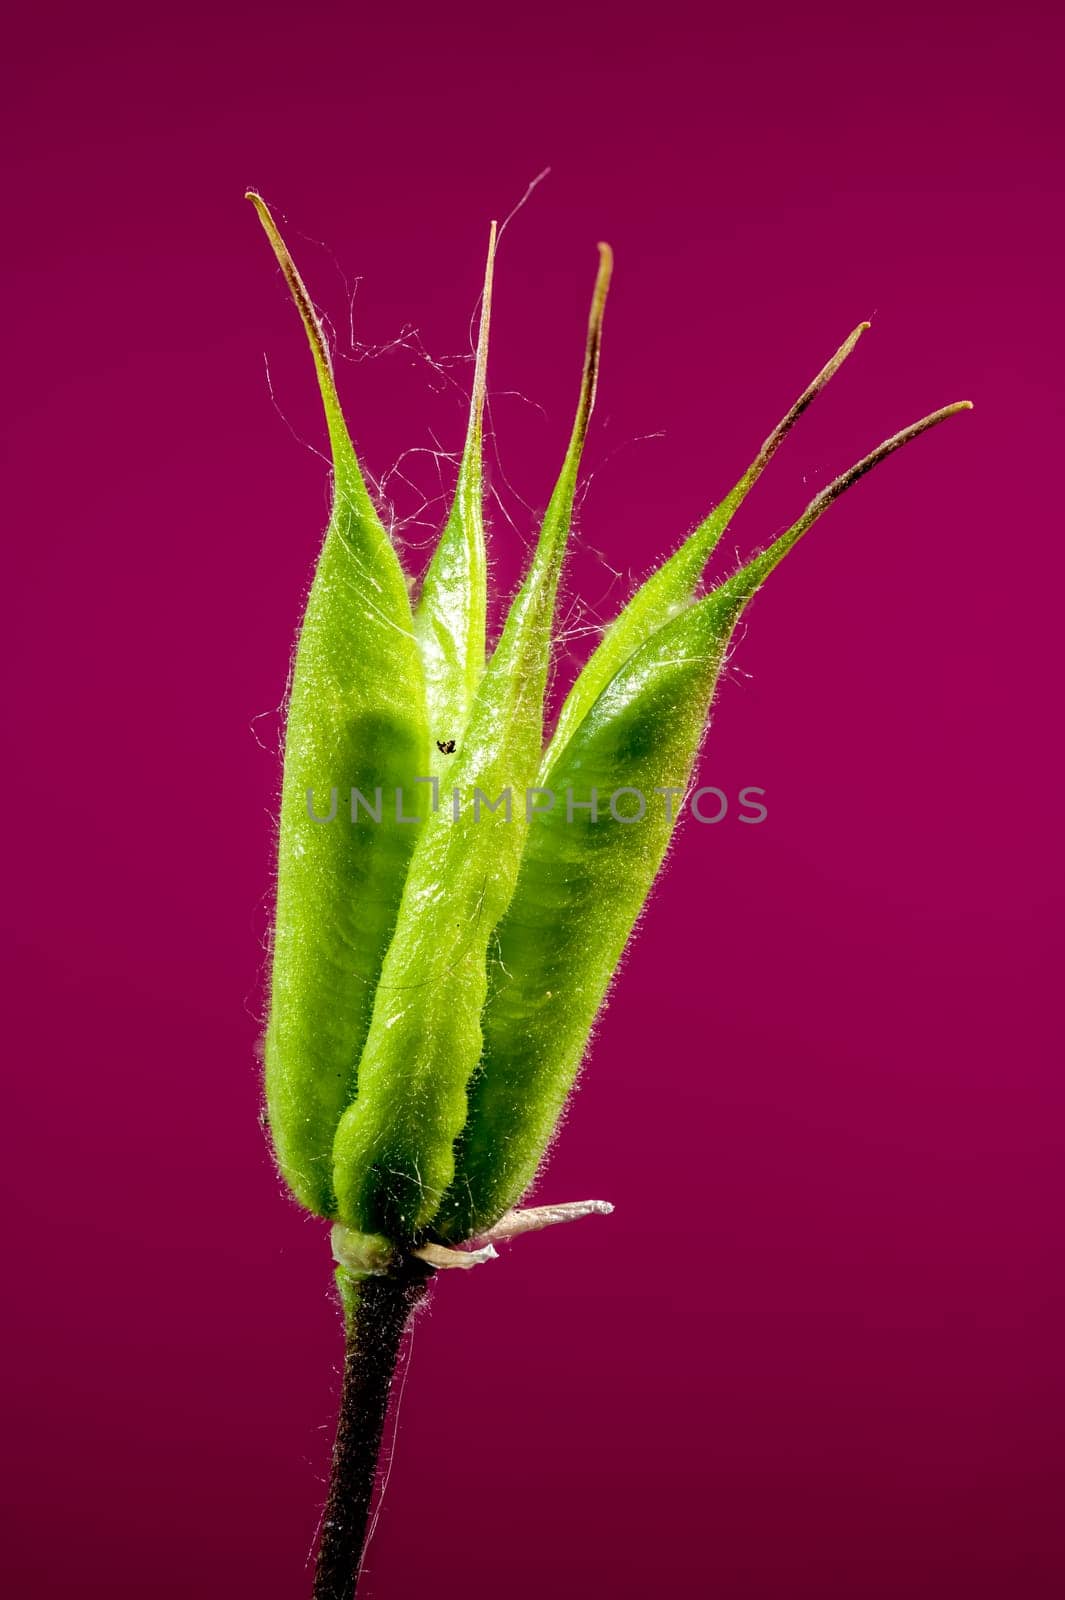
435	982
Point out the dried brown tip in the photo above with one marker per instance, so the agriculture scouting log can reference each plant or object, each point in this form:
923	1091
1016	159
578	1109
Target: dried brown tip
592	348
808	396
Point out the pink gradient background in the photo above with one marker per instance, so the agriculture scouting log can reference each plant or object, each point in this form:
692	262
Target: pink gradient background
817	1354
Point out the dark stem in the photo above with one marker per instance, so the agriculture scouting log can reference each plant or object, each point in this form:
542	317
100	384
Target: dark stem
377	1310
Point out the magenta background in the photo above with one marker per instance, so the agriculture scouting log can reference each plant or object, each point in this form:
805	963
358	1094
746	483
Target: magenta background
817	1352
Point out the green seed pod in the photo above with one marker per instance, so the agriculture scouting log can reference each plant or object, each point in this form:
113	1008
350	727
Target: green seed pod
394	1149
441	949
585	876
356	717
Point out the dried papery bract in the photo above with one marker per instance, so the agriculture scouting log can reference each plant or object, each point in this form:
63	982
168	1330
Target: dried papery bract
435	982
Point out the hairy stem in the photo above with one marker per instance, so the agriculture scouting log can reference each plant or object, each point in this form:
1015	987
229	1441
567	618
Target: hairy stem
376	1311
